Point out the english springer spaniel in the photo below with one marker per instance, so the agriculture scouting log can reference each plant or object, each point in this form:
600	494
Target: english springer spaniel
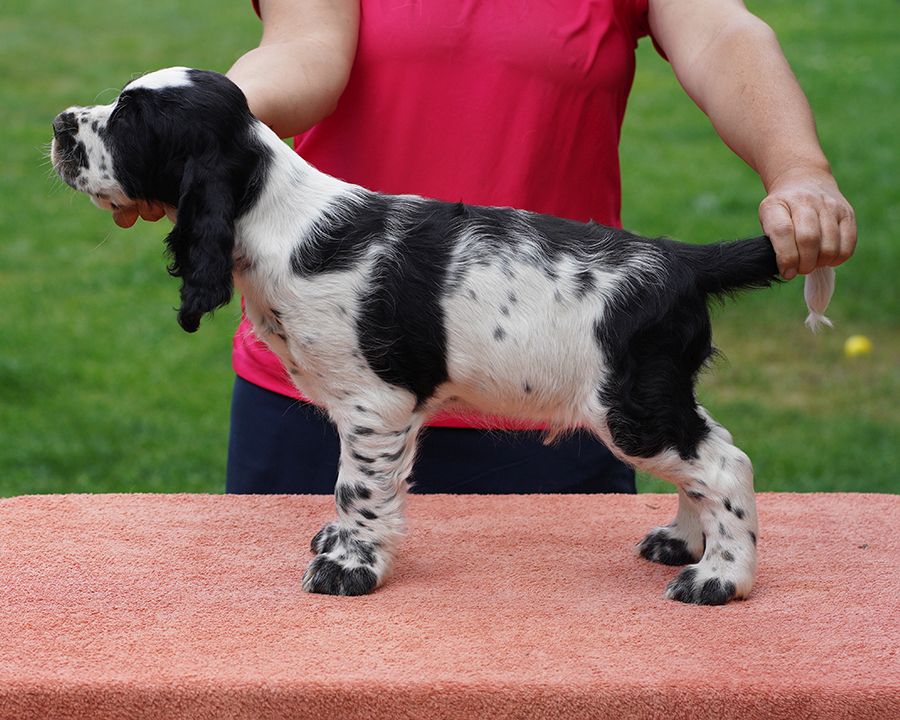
385	308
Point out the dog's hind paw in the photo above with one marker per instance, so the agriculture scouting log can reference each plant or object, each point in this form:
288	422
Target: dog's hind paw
663	546
692	585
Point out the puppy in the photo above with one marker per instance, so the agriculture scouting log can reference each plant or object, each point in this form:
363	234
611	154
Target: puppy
384	309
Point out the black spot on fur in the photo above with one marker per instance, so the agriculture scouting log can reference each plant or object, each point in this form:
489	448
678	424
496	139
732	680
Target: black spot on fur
694	495
738	512
727	556
499	333
363	492
345	495
368	514
584	283
393	457
753	537
360	430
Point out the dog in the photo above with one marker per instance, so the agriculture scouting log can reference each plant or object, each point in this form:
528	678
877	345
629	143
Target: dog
385	308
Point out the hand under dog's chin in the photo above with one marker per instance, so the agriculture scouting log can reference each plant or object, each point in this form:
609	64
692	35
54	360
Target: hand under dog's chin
119	203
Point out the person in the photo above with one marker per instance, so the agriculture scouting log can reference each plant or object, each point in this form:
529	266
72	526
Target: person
505	103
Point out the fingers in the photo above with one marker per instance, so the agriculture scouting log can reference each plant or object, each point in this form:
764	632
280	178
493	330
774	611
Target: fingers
151	211
810	225
779	226
126	217
808	237
830	246
847	229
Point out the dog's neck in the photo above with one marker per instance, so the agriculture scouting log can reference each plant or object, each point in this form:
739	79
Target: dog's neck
292	200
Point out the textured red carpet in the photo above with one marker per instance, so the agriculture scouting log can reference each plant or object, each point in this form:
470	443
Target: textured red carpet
188	606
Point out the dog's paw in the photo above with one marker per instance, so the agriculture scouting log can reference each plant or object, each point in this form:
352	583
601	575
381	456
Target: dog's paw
345	564
702	586
663	545
330	577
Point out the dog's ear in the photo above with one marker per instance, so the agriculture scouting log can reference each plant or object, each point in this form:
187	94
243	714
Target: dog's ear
202	241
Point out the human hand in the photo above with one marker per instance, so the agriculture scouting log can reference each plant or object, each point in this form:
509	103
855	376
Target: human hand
808	220
127	216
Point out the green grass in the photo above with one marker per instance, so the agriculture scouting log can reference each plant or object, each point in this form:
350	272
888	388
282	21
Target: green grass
101	391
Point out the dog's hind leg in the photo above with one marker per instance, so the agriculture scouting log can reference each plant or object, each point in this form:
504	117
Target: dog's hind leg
716	526
354	553
682	541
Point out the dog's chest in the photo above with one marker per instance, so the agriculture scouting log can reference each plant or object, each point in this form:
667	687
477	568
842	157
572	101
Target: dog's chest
309	325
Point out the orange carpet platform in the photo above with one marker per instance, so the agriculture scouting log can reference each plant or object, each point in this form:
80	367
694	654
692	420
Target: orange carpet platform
189	606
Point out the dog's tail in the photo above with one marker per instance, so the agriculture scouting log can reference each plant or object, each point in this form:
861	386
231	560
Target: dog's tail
727	267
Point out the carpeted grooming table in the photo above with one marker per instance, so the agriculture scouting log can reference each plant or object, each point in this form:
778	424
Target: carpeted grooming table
189	606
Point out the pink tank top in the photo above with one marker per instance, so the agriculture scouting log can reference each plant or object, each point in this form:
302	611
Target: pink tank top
488	102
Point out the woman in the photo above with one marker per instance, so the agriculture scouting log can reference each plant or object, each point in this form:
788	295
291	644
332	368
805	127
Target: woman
505	103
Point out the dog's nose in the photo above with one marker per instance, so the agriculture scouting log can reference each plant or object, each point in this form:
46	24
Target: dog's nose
65	124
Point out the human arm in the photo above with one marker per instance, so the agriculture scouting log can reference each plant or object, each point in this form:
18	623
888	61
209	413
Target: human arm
731	65
294	77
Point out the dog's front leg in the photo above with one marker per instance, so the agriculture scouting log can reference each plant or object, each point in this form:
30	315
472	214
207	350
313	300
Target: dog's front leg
354	553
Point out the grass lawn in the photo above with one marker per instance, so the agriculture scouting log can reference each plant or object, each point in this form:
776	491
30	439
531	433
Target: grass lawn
100	391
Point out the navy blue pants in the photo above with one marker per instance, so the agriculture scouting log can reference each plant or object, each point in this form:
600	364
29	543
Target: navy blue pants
279	445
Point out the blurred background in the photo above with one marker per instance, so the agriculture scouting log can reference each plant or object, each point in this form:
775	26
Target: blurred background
101	391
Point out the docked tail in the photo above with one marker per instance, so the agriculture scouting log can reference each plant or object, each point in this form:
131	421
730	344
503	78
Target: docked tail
727	267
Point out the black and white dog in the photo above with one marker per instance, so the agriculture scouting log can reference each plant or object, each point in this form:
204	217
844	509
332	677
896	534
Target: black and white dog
385	308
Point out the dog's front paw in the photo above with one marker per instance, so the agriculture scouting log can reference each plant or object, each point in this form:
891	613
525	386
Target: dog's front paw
701	586
332	577
663	545
345	562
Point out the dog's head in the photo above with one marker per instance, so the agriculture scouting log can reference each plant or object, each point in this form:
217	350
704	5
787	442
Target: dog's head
182	137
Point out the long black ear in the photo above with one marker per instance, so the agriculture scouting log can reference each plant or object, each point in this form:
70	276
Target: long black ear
202	241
